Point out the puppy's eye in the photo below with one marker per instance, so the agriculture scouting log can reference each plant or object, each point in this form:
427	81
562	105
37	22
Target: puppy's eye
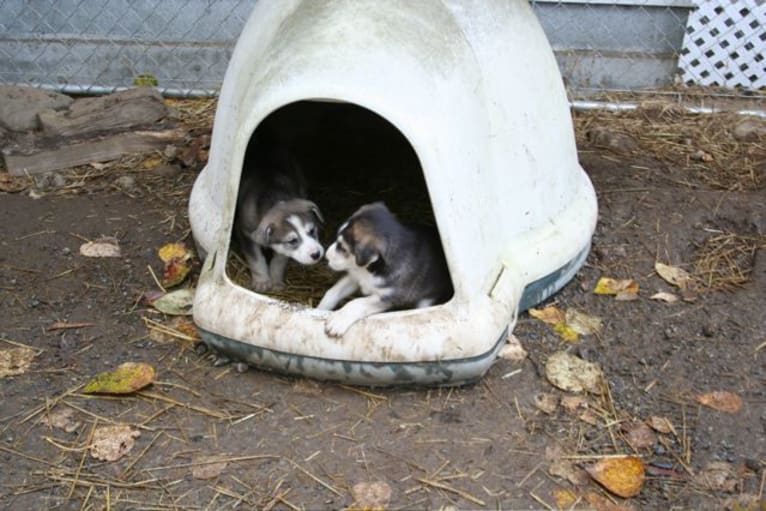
313	232
340	248
292	242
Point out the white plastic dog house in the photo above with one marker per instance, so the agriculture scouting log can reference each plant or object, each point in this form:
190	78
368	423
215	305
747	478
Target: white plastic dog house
475	89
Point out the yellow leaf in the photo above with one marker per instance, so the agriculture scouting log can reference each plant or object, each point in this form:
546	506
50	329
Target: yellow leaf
582	323
566	332
673	275
177	259
551	315
624	288
623	476
127	378
565	499
721	400
572	373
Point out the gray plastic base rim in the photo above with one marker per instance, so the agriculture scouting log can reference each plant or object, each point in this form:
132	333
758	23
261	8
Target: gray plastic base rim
437	373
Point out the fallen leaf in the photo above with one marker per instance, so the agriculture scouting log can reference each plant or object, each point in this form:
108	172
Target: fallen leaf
589	417
106	246
566	332
624	476
717	476
721	400
673	275
179	328
12	184
621	289
639	435
176	303
664	297
546	402
564	498
582	323
567	470
207	467
62	418
375	495
152	162
574	403
601	503
551	315
127	378
111	443
661	425
177	259
512	350
15	361
573	374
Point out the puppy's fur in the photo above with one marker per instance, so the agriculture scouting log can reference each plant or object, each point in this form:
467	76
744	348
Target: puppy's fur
394	266
273	213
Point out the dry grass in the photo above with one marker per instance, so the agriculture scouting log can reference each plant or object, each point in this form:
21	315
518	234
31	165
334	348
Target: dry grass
725	261
702	146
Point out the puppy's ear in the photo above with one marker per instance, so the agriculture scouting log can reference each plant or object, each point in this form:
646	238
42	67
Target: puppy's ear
262	234
315	209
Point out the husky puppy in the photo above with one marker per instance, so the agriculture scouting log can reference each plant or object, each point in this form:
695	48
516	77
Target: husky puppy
274	215
394	267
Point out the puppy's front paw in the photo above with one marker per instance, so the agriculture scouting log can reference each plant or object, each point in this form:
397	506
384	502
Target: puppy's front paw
338	323
260	286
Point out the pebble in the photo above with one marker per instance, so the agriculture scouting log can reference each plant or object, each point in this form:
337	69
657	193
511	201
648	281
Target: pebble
66	251
221	361
200	349
241	367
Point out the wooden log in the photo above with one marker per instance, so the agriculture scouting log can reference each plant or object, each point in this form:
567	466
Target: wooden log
120	111
111	147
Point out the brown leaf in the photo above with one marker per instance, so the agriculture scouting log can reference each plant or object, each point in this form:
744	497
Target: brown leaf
127	378
601	503
12	184
15	361
106	246
573	374
565	469
583	324
664	297
661	425
111	443
564	498
551	315
624	476
639	435
721	400
207	467
673	275
374	495
573	404
717	476
546	402
62	418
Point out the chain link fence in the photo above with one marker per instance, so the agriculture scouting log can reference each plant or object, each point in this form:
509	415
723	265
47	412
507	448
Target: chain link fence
183	46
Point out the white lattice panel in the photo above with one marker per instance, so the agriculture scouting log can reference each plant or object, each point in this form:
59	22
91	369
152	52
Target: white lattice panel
725	44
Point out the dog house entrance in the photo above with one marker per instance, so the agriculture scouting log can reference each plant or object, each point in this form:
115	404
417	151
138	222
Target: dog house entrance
349	156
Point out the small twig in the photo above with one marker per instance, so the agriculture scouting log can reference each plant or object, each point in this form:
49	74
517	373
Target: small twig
156	280
448	488
315	478
63	325
214	460
205	411
27	456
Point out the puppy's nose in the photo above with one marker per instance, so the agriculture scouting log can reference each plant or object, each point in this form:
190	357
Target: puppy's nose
316	255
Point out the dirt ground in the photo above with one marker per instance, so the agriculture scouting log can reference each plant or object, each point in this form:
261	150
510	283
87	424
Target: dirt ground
291	443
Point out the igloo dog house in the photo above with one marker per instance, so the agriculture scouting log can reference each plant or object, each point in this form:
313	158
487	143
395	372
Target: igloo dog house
475	89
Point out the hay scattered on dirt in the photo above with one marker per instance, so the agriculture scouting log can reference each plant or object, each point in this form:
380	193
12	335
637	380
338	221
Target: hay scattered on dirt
701	145
725	261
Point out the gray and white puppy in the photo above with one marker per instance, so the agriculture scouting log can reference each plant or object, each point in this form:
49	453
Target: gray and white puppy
394	267
273	213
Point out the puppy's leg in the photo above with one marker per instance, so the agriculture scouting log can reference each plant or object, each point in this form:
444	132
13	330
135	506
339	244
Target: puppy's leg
341	320
277	270
342	289
259	268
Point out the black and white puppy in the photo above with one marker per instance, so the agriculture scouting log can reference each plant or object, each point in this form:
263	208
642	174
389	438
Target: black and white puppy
273	213
394	267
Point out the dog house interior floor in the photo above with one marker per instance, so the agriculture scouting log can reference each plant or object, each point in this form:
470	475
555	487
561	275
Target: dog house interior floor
350	156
